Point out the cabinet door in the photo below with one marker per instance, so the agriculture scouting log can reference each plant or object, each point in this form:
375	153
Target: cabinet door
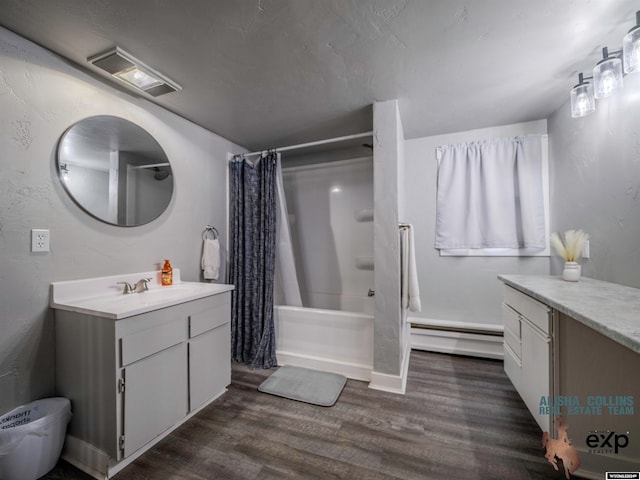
209	365
536	371
155	396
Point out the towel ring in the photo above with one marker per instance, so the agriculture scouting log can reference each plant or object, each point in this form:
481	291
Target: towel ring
210	233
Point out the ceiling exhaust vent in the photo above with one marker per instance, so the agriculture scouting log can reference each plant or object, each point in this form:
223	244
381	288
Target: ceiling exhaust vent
128	69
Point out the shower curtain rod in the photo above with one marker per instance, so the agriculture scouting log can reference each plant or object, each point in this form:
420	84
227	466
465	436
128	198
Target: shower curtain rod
310	144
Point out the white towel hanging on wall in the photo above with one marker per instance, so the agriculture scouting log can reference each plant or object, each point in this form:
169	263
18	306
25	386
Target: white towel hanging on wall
409	288
211	259
210	262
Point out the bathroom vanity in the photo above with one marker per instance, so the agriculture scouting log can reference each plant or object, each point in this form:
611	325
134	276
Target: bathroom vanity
572	350
136	366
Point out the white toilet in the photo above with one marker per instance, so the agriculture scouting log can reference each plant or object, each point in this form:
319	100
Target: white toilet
31	438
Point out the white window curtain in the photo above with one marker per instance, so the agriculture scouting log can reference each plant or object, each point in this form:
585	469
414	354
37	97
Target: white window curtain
491	195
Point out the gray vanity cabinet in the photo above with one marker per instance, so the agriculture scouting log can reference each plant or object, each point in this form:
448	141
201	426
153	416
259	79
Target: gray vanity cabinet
133	380
579	344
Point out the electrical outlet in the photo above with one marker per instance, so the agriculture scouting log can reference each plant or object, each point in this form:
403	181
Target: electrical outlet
586	250
40	240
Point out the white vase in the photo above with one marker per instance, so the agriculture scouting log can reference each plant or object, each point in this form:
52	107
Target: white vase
571	272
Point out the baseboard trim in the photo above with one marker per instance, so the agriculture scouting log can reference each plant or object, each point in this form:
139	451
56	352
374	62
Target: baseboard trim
392	383
457	338
349	370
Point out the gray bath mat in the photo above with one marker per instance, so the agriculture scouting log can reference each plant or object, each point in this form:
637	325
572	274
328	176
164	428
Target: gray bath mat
305	385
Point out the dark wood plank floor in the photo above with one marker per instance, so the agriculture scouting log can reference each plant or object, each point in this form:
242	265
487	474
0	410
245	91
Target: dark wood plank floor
460	419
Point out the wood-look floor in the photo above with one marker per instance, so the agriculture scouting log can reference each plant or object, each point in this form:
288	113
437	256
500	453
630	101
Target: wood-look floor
460	419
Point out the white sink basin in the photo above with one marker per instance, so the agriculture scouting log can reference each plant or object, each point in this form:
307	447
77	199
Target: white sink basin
103	296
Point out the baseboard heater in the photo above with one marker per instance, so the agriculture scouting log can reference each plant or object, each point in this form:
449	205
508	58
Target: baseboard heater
458	338
480	330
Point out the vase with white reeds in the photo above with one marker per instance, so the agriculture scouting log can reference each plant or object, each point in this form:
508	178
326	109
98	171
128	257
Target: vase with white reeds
569	247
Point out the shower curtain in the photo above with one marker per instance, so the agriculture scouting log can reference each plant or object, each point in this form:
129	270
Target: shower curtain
253	251
286	274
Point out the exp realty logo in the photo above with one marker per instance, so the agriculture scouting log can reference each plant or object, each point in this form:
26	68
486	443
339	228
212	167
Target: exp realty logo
606	442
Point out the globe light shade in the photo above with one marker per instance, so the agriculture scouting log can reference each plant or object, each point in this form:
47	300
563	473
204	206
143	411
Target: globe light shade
607	77
631	50
583	102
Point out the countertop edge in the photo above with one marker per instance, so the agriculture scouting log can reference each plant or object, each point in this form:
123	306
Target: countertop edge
69	307
611	333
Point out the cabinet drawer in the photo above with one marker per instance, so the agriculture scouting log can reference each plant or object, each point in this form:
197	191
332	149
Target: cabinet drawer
514	343
513	368
535	311
215	315
147	342
511	320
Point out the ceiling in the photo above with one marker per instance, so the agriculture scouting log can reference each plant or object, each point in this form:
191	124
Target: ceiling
270	73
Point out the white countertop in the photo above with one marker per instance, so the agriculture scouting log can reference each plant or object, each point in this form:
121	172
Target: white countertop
608	308
103	297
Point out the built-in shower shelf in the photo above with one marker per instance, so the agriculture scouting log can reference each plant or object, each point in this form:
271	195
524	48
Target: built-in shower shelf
364	262
364	215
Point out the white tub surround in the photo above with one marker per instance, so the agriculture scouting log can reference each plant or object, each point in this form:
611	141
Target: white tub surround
136	366
329	340
332	237
572	349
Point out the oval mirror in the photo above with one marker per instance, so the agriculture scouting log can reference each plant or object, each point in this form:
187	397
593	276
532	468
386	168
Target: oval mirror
115	171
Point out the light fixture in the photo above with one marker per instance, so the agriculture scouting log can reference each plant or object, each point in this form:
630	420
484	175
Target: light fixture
607	75
631	48
583	102
132	71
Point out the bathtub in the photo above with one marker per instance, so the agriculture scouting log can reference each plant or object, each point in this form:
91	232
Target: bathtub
329	340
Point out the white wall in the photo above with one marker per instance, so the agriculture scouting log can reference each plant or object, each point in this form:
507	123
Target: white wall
40	97
388	135
461	289
595	183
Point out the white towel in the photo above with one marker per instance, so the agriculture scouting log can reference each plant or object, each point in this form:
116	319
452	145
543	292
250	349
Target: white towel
211	258
409	275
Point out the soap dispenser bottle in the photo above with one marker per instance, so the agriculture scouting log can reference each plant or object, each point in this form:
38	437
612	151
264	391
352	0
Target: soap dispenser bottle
167	273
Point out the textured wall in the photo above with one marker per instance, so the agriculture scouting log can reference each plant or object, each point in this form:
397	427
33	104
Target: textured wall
40	97
387	348
461	289
595	183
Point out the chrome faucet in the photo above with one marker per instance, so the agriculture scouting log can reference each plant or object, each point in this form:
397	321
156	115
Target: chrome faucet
127	288
140	286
